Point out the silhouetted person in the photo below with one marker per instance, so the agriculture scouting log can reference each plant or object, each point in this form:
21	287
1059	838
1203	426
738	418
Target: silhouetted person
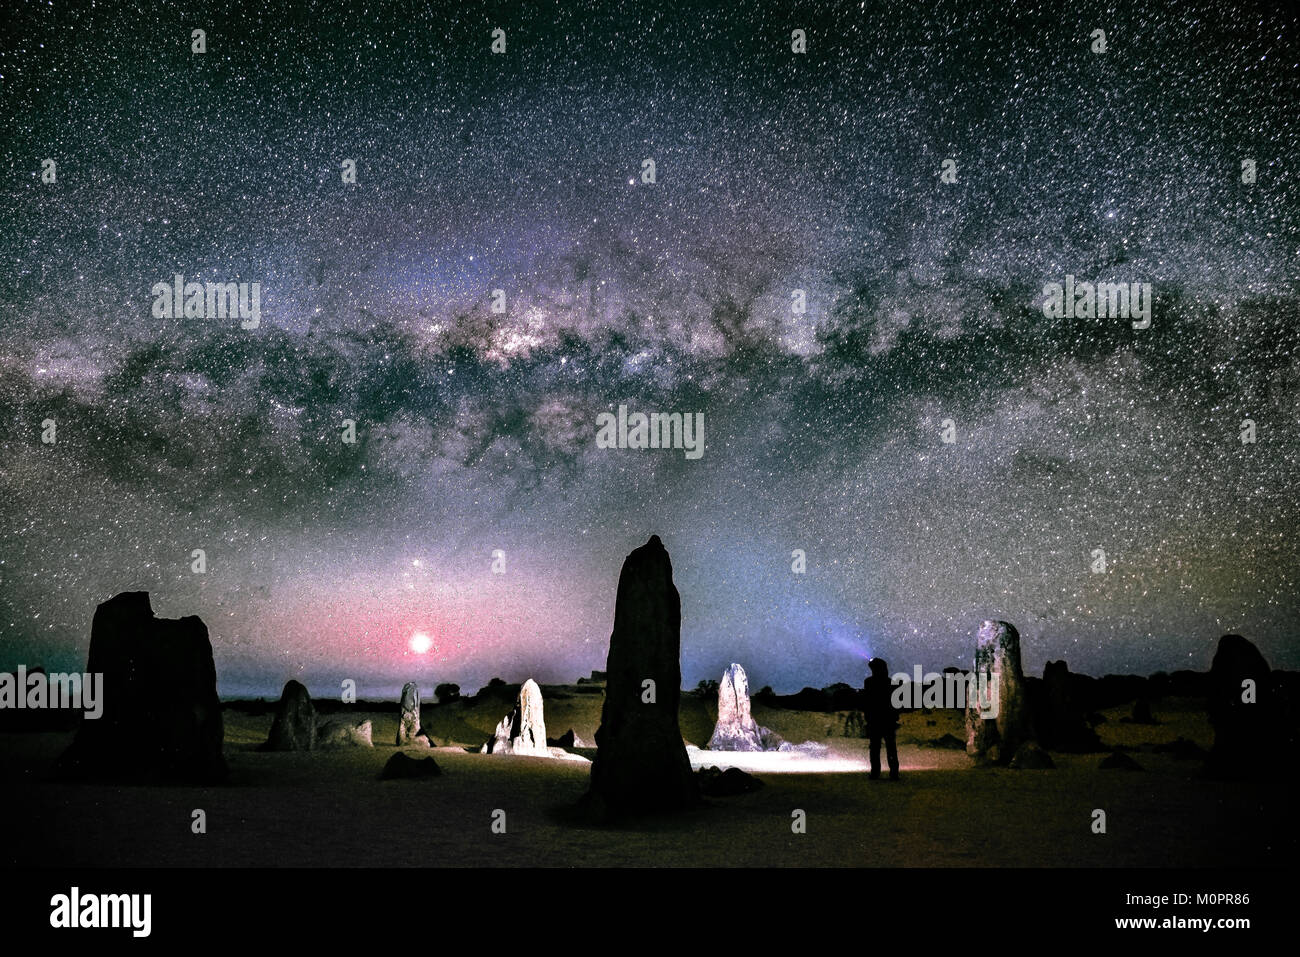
882	718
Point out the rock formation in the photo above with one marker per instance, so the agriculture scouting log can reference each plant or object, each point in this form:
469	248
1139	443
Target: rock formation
402	765
523	730
161	717
736	729
812	749
568	740
997	737
408	724
1030	757
1118	761
641	763
1238	703
1058	717
716	783
344	734
1142	712
294	726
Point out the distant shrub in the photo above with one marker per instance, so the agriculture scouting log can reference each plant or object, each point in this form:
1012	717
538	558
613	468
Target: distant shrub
447	692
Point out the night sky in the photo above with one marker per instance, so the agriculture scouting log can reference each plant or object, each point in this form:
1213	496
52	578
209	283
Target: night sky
476	430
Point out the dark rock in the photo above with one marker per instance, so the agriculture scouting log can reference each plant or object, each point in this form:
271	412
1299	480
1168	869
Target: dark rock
641	763
1286	709
1189	684
402	765
1118	761
1111	691
949	742
294	726
1058	717
715	783
995	734
809	699
1239	704
567	740
161	717
1141	713
1158	685
1030	757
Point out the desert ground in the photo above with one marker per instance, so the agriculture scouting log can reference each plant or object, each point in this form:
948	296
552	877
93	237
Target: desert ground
330	809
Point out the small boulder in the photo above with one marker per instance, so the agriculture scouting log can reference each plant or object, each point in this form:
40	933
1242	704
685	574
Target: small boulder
1030	757
1118	761
1141	713
344	734
715	783
402	765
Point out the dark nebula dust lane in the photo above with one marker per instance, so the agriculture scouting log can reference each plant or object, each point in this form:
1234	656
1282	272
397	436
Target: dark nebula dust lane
916	179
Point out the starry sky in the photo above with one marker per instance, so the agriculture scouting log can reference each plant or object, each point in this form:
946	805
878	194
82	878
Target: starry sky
476	430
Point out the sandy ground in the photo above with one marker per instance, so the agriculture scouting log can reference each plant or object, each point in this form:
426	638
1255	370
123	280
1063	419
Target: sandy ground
330	809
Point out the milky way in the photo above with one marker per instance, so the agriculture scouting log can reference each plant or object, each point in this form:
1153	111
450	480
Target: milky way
775	171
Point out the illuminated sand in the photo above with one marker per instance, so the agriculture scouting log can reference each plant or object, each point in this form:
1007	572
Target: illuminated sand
330	809
849	758
775	762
